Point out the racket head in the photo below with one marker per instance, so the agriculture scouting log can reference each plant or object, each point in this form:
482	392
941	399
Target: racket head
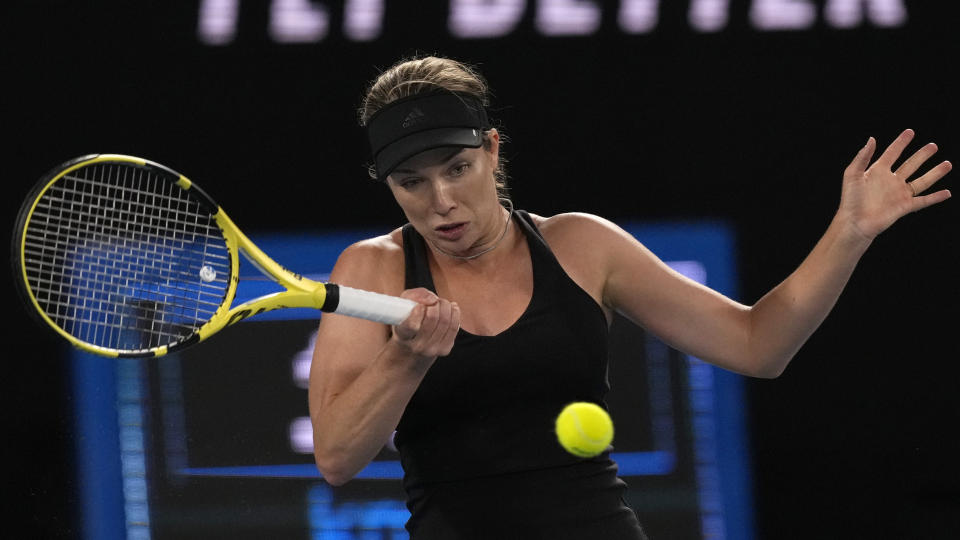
122	256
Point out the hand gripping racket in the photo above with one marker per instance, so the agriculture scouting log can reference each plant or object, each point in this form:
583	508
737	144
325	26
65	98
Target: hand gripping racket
125	257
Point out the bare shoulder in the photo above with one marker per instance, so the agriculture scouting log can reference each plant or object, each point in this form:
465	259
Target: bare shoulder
374	264
578	229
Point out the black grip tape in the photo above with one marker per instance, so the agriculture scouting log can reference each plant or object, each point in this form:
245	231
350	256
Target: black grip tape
332	299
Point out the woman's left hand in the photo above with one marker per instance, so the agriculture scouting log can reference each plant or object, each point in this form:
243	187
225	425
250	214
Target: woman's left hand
874	196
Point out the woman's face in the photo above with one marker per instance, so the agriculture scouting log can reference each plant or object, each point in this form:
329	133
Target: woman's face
449	195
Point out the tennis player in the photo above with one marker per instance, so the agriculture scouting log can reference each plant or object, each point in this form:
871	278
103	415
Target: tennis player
514	313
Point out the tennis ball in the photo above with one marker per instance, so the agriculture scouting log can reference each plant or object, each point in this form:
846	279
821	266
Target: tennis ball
584	429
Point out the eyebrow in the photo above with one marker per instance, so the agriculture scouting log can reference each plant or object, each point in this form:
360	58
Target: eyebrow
446	157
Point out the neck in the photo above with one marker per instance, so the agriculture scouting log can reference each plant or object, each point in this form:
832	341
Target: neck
496	243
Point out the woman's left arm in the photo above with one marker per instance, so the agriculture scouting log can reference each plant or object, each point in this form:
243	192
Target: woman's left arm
873	197
760	340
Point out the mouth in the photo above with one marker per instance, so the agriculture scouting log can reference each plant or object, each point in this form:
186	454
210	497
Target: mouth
450	231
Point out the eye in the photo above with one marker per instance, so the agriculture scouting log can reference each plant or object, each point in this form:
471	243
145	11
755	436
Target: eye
410	182
459	169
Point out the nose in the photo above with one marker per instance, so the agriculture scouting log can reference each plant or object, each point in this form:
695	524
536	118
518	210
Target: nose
443	200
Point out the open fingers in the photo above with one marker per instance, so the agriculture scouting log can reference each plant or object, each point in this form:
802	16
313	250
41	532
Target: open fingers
919	203
914	162
862	159
896	148
926	181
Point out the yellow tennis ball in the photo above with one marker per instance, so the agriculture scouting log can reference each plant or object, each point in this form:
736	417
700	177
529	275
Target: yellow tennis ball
584	429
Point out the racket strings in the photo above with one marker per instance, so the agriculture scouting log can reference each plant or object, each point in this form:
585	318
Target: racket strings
122	258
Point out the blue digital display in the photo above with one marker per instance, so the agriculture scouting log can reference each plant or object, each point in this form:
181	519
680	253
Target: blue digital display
204	440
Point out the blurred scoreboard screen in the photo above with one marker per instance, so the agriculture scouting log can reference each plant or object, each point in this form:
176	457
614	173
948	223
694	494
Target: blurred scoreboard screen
216	442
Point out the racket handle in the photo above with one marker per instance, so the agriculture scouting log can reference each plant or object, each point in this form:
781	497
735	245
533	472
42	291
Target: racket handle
372	306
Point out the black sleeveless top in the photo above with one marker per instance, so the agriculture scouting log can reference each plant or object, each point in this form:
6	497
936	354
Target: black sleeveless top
477	441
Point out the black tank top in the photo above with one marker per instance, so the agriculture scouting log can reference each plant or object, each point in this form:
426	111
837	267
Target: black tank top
480	427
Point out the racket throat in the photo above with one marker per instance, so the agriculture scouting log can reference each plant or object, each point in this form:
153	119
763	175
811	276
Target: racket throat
242	314
312	297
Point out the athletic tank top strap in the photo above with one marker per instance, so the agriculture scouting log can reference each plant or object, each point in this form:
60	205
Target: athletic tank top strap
416	265
547	270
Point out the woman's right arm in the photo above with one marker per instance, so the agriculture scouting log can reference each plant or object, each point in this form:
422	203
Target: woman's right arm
364	373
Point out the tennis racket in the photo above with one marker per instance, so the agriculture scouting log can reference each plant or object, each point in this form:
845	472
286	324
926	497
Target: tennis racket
124	257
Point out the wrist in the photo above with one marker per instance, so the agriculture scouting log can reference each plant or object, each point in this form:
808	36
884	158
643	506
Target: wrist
849	233
400	353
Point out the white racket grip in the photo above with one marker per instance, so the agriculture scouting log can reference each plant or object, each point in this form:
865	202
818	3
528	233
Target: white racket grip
373	306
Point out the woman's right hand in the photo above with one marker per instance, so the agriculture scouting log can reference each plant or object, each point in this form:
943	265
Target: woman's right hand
430	329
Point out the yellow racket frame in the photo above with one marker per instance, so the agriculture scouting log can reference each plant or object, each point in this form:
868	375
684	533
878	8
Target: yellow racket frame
300	291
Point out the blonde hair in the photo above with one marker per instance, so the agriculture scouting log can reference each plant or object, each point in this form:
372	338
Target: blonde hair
416	75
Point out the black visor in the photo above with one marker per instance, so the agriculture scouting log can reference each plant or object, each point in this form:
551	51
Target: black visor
415	124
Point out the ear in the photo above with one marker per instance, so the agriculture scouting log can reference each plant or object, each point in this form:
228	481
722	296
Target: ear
494	146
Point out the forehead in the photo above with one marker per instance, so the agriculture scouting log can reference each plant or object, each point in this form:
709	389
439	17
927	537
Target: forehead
430	158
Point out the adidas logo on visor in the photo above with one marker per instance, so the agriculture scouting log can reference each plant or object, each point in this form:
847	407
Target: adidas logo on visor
415	116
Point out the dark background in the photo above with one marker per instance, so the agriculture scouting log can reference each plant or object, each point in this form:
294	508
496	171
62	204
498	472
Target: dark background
857	439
